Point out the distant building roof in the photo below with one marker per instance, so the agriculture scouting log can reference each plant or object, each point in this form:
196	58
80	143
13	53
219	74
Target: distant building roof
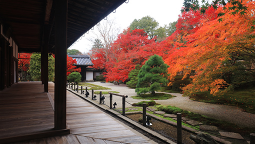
82	60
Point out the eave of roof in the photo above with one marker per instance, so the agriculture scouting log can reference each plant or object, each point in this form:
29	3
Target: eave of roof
27	19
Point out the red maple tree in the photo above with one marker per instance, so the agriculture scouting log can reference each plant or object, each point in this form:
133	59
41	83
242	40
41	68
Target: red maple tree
24	61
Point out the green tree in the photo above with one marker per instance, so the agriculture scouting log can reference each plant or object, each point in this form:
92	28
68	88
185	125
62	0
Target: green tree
74	77
171	28
152	75
133	76
51	68
35	67
148	24
97	44
161	33
73	52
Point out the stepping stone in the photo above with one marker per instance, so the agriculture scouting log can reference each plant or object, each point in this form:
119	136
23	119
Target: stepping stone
208	128
194	123
231	135
185	119
150	109
220	140
170	115
159	112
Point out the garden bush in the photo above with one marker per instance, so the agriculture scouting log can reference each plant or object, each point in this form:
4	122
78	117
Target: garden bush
100	78
170	109
148	103
74	77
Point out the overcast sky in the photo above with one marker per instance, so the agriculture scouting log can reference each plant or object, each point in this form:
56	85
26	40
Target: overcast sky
163	11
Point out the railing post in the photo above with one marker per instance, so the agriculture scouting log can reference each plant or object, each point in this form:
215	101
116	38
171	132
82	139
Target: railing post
74	87
77	88
86	93
123	105
144	114
110	101
179	128
100	101
252	136
69	85
92	94
81	89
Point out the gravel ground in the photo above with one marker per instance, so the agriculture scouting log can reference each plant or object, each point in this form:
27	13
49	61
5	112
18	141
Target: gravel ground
222	112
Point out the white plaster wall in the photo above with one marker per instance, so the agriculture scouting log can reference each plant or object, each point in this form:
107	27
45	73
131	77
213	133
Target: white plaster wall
89	76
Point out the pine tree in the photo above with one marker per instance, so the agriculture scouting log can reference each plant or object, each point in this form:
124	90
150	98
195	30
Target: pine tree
152	75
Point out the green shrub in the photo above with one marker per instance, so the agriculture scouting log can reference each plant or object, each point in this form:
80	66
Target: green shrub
148	103
133	77
170	109
100	78
74	77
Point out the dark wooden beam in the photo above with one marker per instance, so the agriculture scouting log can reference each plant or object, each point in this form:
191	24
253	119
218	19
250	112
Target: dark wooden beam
45	58
42	65
60	63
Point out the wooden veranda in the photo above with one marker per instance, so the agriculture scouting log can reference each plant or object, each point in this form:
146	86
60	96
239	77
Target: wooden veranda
46	26
35	114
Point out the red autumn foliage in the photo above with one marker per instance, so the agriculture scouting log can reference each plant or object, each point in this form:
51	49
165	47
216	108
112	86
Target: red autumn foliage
70	65
126	52
24	61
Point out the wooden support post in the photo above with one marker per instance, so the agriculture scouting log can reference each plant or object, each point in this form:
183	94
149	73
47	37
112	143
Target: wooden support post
123	105
61	12
110	101
45	59
86	92
252	136
92	94
179	128
42	65
81	89
100	102
144	114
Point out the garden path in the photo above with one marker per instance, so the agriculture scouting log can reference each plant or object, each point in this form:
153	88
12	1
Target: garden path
231	114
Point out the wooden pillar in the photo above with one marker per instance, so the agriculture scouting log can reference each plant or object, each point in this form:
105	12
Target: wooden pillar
45	58
17	70
11	66
7	64
2	61
60	63
42	64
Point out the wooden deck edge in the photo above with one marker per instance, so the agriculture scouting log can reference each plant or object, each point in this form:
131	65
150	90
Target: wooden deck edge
38	135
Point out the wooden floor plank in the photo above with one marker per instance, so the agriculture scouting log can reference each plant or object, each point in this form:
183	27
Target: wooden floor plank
72	139
33	112
85	140
25	109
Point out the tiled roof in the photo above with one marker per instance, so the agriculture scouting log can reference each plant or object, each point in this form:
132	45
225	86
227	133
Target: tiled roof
82	60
